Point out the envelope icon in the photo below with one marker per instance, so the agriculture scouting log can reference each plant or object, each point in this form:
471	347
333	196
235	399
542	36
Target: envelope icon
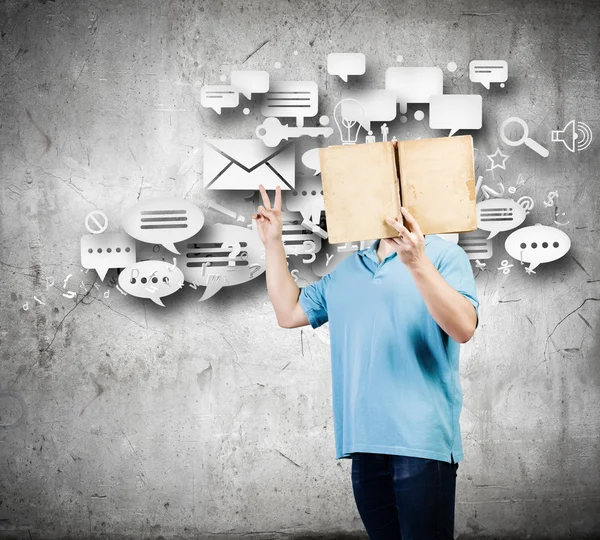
246	163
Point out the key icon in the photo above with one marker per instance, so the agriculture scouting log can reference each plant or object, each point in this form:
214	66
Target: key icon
272	132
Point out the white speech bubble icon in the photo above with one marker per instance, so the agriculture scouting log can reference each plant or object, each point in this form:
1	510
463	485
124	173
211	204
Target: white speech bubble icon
219	97
476	244
488	71
366	106
291	99
308	199
455	111
250	82
220	256
496	215
151	279
344	64
311	160
414	84
537	244
103	251
163	221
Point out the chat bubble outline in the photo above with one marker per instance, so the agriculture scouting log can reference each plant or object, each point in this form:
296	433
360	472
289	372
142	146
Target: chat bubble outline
455	112
496	213
414	84
486	72
229	97
366	106
250	82
151	271
147	219
345	64
117	250
539	234
311	160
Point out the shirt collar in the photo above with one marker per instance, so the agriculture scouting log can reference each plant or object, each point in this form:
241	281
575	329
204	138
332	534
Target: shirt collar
371	252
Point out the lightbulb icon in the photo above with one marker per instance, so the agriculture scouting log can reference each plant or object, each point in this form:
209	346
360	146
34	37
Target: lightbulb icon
347	129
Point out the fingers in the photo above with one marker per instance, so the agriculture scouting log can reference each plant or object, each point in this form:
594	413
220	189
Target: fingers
397	225
265	197
277	198
266	215
262	212
414	226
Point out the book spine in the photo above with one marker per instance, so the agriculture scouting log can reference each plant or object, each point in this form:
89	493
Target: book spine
398	163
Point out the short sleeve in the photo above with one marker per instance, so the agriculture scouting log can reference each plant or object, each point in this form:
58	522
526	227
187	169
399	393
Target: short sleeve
456	270
313	300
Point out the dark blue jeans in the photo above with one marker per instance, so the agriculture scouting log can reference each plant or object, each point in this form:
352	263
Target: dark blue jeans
404	498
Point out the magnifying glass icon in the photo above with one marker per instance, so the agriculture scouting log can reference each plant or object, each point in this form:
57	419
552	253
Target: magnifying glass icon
536	147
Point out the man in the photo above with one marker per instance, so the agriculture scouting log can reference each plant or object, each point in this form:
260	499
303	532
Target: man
397	312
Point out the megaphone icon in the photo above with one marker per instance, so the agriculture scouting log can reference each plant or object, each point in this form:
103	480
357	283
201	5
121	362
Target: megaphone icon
574	133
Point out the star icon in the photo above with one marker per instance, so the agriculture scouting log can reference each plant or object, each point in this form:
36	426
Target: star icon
529	270
497	154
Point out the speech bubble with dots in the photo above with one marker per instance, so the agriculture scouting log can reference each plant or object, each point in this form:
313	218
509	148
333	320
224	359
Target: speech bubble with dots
101	252
151	279
537	244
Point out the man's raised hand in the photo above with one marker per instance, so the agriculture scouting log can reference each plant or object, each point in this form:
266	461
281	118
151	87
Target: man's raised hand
268	218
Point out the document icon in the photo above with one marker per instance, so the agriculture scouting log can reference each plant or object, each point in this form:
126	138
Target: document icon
246	163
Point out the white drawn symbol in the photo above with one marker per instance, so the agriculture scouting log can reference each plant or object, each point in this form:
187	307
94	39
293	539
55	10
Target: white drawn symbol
236	249
487	191
66	280
505	267
99	222
253	269
535	146
574	134
311	250
345	124
551	196
497	164
527	203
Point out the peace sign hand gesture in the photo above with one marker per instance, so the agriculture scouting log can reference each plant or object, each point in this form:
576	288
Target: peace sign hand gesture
268	219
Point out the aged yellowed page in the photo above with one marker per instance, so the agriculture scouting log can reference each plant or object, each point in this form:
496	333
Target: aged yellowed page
360	189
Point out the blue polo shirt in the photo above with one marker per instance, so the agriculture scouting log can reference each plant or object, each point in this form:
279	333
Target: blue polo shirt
395	373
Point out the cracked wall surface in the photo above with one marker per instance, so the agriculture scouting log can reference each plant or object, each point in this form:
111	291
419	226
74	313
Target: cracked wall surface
122	419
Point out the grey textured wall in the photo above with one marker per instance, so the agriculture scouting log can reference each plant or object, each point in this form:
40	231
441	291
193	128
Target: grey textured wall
121	419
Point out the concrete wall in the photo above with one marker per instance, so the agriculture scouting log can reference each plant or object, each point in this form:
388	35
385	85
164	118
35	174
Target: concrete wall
121	419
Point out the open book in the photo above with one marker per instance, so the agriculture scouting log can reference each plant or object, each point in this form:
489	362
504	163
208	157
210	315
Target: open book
363	184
